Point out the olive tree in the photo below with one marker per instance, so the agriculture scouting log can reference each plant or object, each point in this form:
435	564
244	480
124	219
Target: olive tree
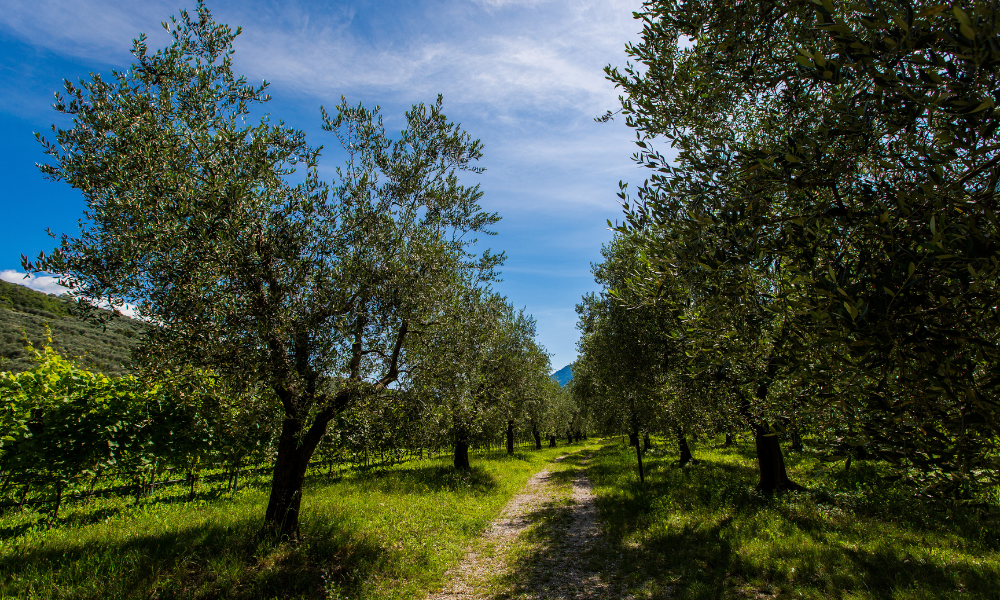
847	152
477	367
308	288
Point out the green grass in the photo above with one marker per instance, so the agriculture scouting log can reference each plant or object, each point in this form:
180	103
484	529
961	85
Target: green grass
702	531
387	534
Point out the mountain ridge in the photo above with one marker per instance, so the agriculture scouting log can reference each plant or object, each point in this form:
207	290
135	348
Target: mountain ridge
563	375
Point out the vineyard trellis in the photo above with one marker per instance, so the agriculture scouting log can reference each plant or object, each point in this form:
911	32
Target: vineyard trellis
70	435
335	466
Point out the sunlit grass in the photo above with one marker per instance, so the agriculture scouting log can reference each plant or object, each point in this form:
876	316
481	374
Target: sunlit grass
388	534
702	531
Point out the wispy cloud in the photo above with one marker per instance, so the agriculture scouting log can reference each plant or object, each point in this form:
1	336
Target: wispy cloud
524	75
534	56
531	54
93	29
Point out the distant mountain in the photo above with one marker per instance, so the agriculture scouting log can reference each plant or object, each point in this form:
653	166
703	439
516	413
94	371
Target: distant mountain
25	313
563	375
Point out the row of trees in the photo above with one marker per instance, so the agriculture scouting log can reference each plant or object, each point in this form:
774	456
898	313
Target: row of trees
821	254
323	298
63	427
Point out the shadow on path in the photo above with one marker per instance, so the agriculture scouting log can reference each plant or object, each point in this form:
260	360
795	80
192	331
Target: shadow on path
567	551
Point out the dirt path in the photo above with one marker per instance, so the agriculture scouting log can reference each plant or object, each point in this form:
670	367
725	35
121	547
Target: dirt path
543	545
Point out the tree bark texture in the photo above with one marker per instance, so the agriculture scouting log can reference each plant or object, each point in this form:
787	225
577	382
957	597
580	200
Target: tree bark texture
552	441
538	439
290	466
510	437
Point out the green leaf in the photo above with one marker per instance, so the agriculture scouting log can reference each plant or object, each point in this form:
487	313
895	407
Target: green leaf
988	103
961	16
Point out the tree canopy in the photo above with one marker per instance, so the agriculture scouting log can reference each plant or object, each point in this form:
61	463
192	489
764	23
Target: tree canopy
830	212
307	289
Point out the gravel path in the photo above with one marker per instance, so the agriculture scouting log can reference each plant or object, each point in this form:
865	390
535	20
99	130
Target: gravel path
559	563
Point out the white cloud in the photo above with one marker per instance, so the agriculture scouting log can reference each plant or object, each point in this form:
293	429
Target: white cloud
536	51
48	284
93	29
545	56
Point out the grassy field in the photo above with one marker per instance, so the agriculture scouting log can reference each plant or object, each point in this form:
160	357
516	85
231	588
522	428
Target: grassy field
702	531
695	532
387	534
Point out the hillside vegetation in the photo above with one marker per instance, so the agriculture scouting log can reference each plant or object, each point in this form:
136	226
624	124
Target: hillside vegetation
24	315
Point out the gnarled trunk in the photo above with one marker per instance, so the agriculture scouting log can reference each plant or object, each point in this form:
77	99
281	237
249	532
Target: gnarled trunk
538	438
462	450
282	515
771	462
510	437
552	441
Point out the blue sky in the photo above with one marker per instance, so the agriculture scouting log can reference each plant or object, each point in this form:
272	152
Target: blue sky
525	76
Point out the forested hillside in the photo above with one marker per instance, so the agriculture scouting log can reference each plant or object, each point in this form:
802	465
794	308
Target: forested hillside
24	315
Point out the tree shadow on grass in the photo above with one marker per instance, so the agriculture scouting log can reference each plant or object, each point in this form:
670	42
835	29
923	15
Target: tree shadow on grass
432	478
705	533
228	560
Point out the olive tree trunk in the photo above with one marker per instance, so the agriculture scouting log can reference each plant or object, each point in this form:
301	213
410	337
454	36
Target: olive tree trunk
771	462
462	449
282	515
685	450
